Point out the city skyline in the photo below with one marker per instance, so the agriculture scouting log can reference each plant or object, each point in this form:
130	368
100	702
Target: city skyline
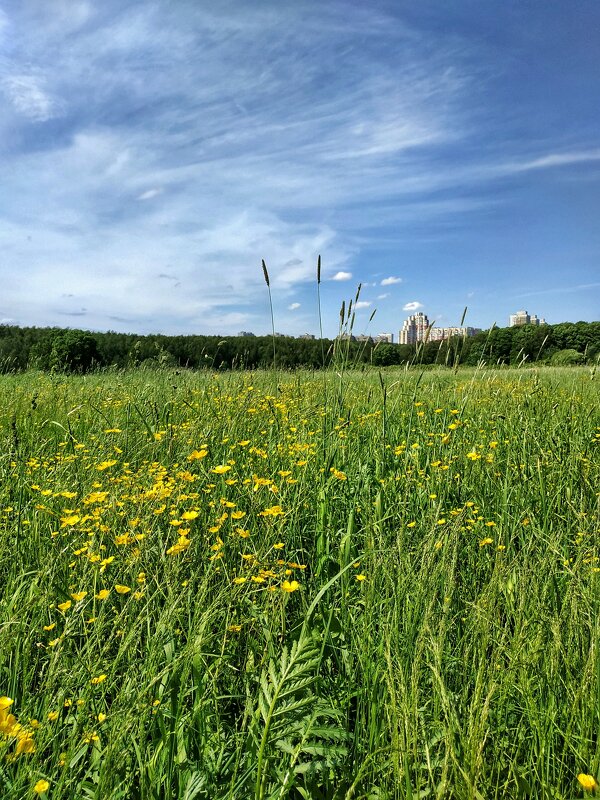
153	153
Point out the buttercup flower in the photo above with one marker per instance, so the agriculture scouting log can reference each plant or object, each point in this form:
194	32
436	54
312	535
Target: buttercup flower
588	782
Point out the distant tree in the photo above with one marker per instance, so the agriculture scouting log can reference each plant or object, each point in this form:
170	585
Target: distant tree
577	335
428	353
567	358
592	353
59	349
531	343
385	355
499	345
40	350
74	351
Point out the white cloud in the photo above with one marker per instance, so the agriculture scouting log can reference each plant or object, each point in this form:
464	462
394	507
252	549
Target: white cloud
560	290
412	306
342	276
293	306
362	304
552	160
29	98
149	194
383	296
390	281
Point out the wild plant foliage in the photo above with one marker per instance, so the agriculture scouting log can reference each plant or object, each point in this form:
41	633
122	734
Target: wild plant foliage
313	585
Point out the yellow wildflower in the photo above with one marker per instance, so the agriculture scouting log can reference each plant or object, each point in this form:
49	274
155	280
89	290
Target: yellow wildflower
25	744
105	465
5	702
182	544
587	781
195	455
71	519
273	511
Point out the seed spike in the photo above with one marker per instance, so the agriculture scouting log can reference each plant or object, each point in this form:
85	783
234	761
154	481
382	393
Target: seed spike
319	269
265	273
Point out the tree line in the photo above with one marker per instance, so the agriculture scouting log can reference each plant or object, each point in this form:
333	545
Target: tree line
68	350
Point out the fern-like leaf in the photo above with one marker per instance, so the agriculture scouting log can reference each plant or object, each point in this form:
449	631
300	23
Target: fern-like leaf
292	719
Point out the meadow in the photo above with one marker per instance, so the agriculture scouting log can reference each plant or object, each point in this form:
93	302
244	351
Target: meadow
318	585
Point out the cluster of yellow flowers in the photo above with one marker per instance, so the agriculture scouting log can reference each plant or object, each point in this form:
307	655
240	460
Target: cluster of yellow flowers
11	728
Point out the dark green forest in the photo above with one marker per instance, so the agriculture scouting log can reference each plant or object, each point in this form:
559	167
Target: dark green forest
67	350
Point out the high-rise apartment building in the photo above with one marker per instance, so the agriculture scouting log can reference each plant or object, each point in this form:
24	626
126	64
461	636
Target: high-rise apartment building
439	334
414	329
524	318
417	329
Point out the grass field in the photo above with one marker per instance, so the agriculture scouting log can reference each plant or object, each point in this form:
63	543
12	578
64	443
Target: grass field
300	585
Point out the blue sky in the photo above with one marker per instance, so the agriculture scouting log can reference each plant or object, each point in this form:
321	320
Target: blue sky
442	154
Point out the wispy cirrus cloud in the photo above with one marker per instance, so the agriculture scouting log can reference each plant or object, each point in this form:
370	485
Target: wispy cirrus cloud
552	160
568	288
29	97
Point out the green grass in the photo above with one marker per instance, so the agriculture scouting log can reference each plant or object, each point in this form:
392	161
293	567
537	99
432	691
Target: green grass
392	591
